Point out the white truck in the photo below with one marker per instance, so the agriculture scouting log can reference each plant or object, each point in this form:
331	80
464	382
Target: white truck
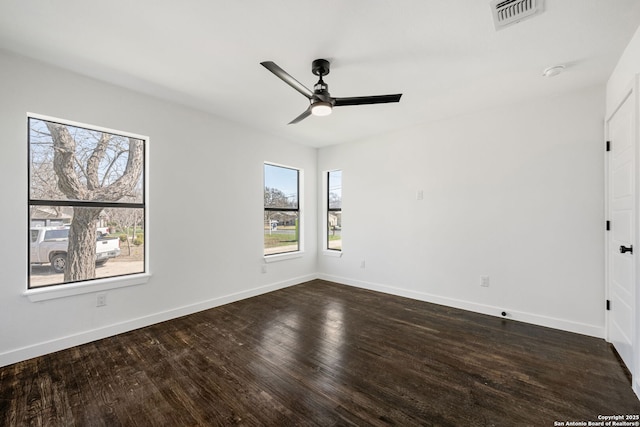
49	245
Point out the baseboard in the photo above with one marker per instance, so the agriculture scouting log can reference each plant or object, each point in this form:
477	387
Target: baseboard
58	344
550	322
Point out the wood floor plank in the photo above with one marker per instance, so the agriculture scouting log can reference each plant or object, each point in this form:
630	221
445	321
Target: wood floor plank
322	354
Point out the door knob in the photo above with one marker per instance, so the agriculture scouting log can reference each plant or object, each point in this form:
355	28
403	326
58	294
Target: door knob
624	249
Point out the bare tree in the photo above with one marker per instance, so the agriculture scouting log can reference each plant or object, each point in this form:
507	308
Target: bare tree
335	200
275	198
91	174
126	219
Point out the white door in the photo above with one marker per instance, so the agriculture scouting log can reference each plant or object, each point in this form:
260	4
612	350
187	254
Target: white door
622	249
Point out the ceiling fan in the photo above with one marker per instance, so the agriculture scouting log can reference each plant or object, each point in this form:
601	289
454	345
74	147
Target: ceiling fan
321	102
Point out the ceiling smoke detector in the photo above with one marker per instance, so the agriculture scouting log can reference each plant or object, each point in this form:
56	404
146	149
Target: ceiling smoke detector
509	12
553	71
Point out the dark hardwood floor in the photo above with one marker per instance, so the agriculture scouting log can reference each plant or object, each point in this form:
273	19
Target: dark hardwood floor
322	354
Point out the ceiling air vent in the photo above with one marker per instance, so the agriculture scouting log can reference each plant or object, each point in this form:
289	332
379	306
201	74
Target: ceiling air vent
509	12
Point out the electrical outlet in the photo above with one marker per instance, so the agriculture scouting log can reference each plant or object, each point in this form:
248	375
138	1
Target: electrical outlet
362	264
101	301
419	195
264	269
484	281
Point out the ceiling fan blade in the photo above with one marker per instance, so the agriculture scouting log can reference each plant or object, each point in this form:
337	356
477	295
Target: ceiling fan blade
362	100
286	77
301	117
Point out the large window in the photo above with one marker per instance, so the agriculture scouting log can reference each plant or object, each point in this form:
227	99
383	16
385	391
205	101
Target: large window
334	210
281	209
86	202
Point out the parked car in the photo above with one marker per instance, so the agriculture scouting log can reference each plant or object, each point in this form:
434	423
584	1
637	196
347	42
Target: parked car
49	246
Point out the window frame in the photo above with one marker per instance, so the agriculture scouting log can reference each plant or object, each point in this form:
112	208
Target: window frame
328	210
299	186
60	290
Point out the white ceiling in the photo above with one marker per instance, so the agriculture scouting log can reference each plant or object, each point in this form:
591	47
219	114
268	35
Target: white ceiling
444	55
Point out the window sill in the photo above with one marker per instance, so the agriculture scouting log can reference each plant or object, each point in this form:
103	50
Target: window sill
72	289
332	253
282	257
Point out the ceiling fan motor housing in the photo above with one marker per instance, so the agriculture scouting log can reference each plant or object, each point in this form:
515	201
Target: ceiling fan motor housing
320	67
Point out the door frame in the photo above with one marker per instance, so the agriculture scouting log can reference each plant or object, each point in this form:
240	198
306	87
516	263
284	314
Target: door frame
631	93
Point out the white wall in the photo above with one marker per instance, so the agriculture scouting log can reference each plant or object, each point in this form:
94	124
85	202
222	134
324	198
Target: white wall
205	210
621	80
514	193
626	69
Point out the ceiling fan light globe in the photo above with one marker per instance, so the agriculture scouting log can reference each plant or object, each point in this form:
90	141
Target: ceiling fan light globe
321	109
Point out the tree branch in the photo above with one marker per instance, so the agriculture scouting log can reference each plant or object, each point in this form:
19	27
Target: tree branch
93	163
64	147
127	182
111	164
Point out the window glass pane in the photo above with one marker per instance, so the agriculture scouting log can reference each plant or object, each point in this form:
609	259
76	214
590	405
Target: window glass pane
335	189
115	240
334	238
280	187
96	166
281	232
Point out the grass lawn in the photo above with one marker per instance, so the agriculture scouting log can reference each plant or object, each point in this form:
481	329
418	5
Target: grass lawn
278	239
